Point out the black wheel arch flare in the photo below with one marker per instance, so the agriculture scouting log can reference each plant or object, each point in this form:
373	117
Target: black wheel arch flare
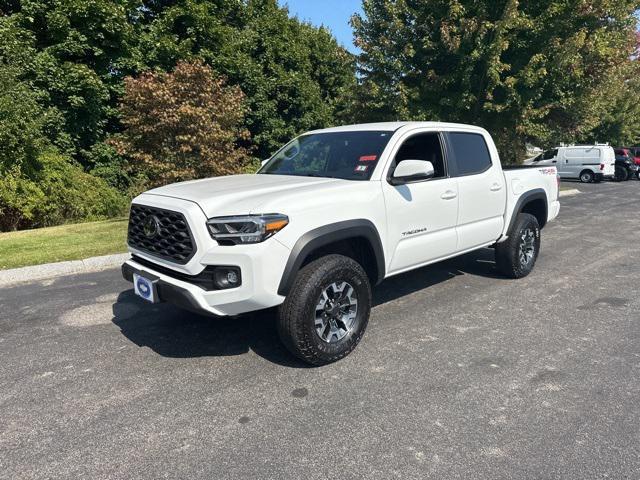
328	234
535	194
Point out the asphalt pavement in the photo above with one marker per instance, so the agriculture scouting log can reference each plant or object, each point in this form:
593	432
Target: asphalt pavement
461	374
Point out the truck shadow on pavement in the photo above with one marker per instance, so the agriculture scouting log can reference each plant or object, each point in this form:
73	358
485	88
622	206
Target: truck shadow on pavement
175	333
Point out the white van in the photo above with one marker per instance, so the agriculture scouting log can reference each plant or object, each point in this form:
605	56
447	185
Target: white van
588	163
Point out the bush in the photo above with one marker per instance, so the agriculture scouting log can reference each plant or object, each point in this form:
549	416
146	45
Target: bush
58	192
39	185
105	163
19	199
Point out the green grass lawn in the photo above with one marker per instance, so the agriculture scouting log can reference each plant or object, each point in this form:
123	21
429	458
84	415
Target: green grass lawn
65	242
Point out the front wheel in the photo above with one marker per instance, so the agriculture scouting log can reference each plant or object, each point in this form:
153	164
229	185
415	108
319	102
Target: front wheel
516	256
327	310
638	174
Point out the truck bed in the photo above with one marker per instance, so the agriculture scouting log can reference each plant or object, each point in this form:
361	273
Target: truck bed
525	179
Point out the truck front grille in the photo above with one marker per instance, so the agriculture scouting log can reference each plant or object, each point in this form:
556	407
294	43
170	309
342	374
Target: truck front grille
161	233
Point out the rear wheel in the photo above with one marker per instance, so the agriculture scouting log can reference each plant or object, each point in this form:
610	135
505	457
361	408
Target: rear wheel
517	255
327	310
621	174
586	176
638	174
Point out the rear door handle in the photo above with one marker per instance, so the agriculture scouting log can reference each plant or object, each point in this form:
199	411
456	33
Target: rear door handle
448	195
495	187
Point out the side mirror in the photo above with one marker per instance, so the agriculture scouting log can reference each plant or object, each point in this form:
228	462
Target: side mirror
409	171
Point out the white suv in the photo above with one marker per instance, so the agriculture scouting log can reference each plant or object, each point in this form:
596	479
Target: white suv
330	214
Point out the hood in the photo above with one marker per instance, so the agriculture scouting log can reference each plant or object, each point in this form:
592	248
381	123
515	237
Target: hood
241	194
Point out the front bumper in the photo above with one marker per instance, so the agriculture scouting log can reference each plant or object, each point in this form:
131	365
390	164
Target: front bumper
261	276
261	267
167	292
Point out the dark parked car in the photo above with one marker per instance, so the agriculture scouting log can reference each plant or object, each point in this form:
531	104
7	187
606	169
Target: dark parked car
626	167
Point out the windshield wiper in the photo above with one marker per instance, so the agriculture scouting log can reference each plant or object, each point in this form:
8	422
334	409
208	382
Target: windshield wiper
317	175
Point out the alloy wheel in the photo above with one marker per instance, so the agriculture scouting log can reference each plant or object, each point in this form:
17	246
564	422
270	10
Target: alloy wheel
527	247
336	312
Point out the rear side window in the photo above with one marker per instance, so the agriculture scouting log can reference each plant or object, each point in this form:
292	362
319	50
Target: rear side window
470	153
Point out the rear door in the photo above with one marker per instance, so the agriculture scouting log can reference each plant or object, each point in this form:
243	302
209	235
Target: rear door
481	187
593	156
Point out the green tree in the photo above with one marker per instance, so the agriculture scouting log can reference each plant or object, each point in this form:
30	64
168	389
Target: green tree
182	125
619	124
525	70
75	53
295	76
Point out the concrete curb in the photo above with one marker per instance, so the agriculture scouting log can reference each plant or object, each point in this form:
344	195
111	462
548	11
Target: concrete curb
569	193
49	270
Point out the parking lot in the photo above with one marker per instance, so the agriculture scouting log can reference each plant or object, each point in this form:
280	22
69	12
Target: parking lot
461	374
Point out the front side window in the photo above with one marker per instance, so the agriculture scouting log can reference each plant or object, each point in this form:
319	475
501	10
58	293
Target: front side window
424	146
345	155
549	154
470	153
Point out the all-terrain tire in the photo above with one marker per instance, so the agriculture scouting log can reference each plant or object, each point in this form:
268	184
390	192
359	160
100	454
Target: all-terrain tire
297	316
517	255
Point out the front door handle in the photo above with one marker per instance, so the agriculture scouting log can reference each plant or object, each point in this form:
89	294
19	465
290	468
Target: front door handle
448	195
495	187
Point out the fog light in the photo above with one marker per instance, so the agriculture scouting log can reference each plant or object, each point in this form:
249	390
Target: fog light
232	277
227	277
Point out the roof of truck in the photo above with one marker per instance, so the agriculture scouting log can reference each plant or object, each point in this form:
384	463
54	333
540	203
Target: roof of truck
393	126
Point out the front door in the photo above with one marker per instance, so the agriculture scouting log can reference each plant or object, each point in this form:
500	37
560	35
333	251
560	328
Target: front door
421	216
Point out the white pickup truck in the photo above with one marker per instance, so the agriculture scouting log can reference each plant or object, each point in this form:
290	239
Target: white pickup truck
330	214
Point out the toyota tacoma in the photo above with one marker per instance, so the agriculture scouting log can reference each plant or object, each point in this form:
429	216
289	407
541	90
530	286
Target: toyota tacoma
330	214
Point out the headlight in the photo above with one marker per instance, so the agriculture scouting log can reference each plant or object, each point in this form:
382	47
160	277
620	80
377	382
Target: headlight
246	228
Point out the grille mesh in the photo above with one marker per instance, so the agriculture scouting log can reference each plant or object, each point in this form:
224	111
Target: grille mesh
172	239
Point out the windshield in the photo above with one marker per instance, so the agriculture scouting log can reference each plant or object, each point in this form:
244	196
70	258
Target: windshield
346	155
